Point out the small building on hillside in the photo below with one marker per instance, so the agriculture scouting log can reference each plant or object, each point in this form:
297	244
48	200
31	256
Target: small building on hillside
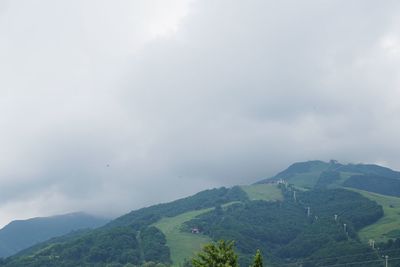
276	181
195	230
282	181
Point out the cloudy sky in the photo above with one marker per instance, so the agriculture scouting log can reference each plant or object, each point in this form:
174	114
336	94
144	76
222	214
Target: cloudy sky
110	105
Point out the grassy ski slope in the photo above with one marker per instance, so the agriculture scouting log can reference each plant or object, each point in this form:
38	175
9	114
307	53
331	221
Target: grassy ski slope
267	192
388	226
182	245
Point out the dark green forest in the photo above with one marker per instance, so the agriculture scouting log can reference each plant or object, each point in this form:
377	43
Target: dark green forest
286	232
376	184
311	228
129	239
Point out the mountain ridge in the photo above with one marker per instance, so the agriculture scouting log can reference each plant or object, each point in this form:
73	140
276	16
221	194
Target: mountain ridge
147	234
20	234
368	176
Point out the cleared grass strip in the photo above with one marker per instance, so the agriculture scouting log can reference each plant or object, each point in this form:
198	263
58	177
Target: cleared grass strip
183	245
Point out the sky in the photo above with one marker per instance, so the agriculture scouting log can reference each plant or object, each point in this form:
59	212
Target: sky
109	106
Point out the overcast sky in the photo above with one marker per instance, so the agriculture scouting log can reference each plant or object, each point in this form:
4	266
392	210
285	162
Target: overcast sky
110	105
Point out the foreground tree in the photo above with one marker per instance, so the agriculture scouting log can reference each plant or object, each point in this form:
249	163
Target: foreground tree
258	260
220	254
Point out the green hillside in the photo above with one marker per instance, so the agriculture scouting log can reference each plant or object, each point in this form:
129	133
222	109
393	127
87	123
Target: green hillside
285	231
289	230
131	238
22	234
375	182
282	228
319	174
389	225
267	192
182	244
304	174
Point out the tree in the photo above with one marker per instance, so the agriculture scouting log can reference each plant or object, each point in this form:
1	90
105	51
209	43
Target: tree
220	254
258	260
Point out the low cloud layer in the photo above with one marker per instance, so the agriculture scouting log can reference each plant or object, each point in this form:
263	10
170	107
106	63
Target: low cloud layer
107	106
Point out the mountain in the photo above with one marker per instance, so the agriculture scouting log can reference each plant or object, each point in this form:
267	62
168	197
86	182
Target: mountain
305	215
319	174
22	234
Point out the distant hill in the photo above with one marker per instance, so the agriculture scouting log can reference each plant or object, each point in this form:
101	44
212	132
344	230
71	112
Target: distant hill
22	234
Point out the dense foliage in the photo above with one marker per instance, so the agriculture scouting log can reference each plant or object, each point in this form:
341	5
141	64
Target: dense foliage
326	178
286	230
220	254
315	228
350	207
201	200
154	245
392	250
119	245
373	183
369	169
98	247
258	260
129	239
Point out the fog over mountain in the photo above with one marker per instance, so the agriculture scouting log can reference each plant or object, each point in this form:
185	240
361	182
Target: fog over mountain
107	106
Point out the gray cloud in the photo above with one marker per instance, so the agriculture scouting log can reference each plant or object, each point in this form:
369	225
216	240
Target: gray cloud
108	107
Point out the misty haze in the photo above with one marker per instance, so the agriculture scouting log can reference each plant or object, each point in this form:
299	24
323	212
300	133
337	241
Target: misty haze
151	132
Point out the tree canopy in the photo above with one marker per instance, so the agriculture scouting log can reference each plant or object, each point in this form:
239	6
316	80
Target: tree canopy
220	254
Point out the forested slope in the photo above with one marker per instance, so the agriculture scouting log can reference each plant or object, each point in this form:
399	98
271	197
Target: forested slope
291	224
22	234
286	231
129	239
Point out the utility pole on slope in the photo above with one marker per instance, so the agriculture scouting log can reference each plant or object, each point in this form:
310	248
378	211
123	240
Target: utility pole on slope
386	260
371	243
